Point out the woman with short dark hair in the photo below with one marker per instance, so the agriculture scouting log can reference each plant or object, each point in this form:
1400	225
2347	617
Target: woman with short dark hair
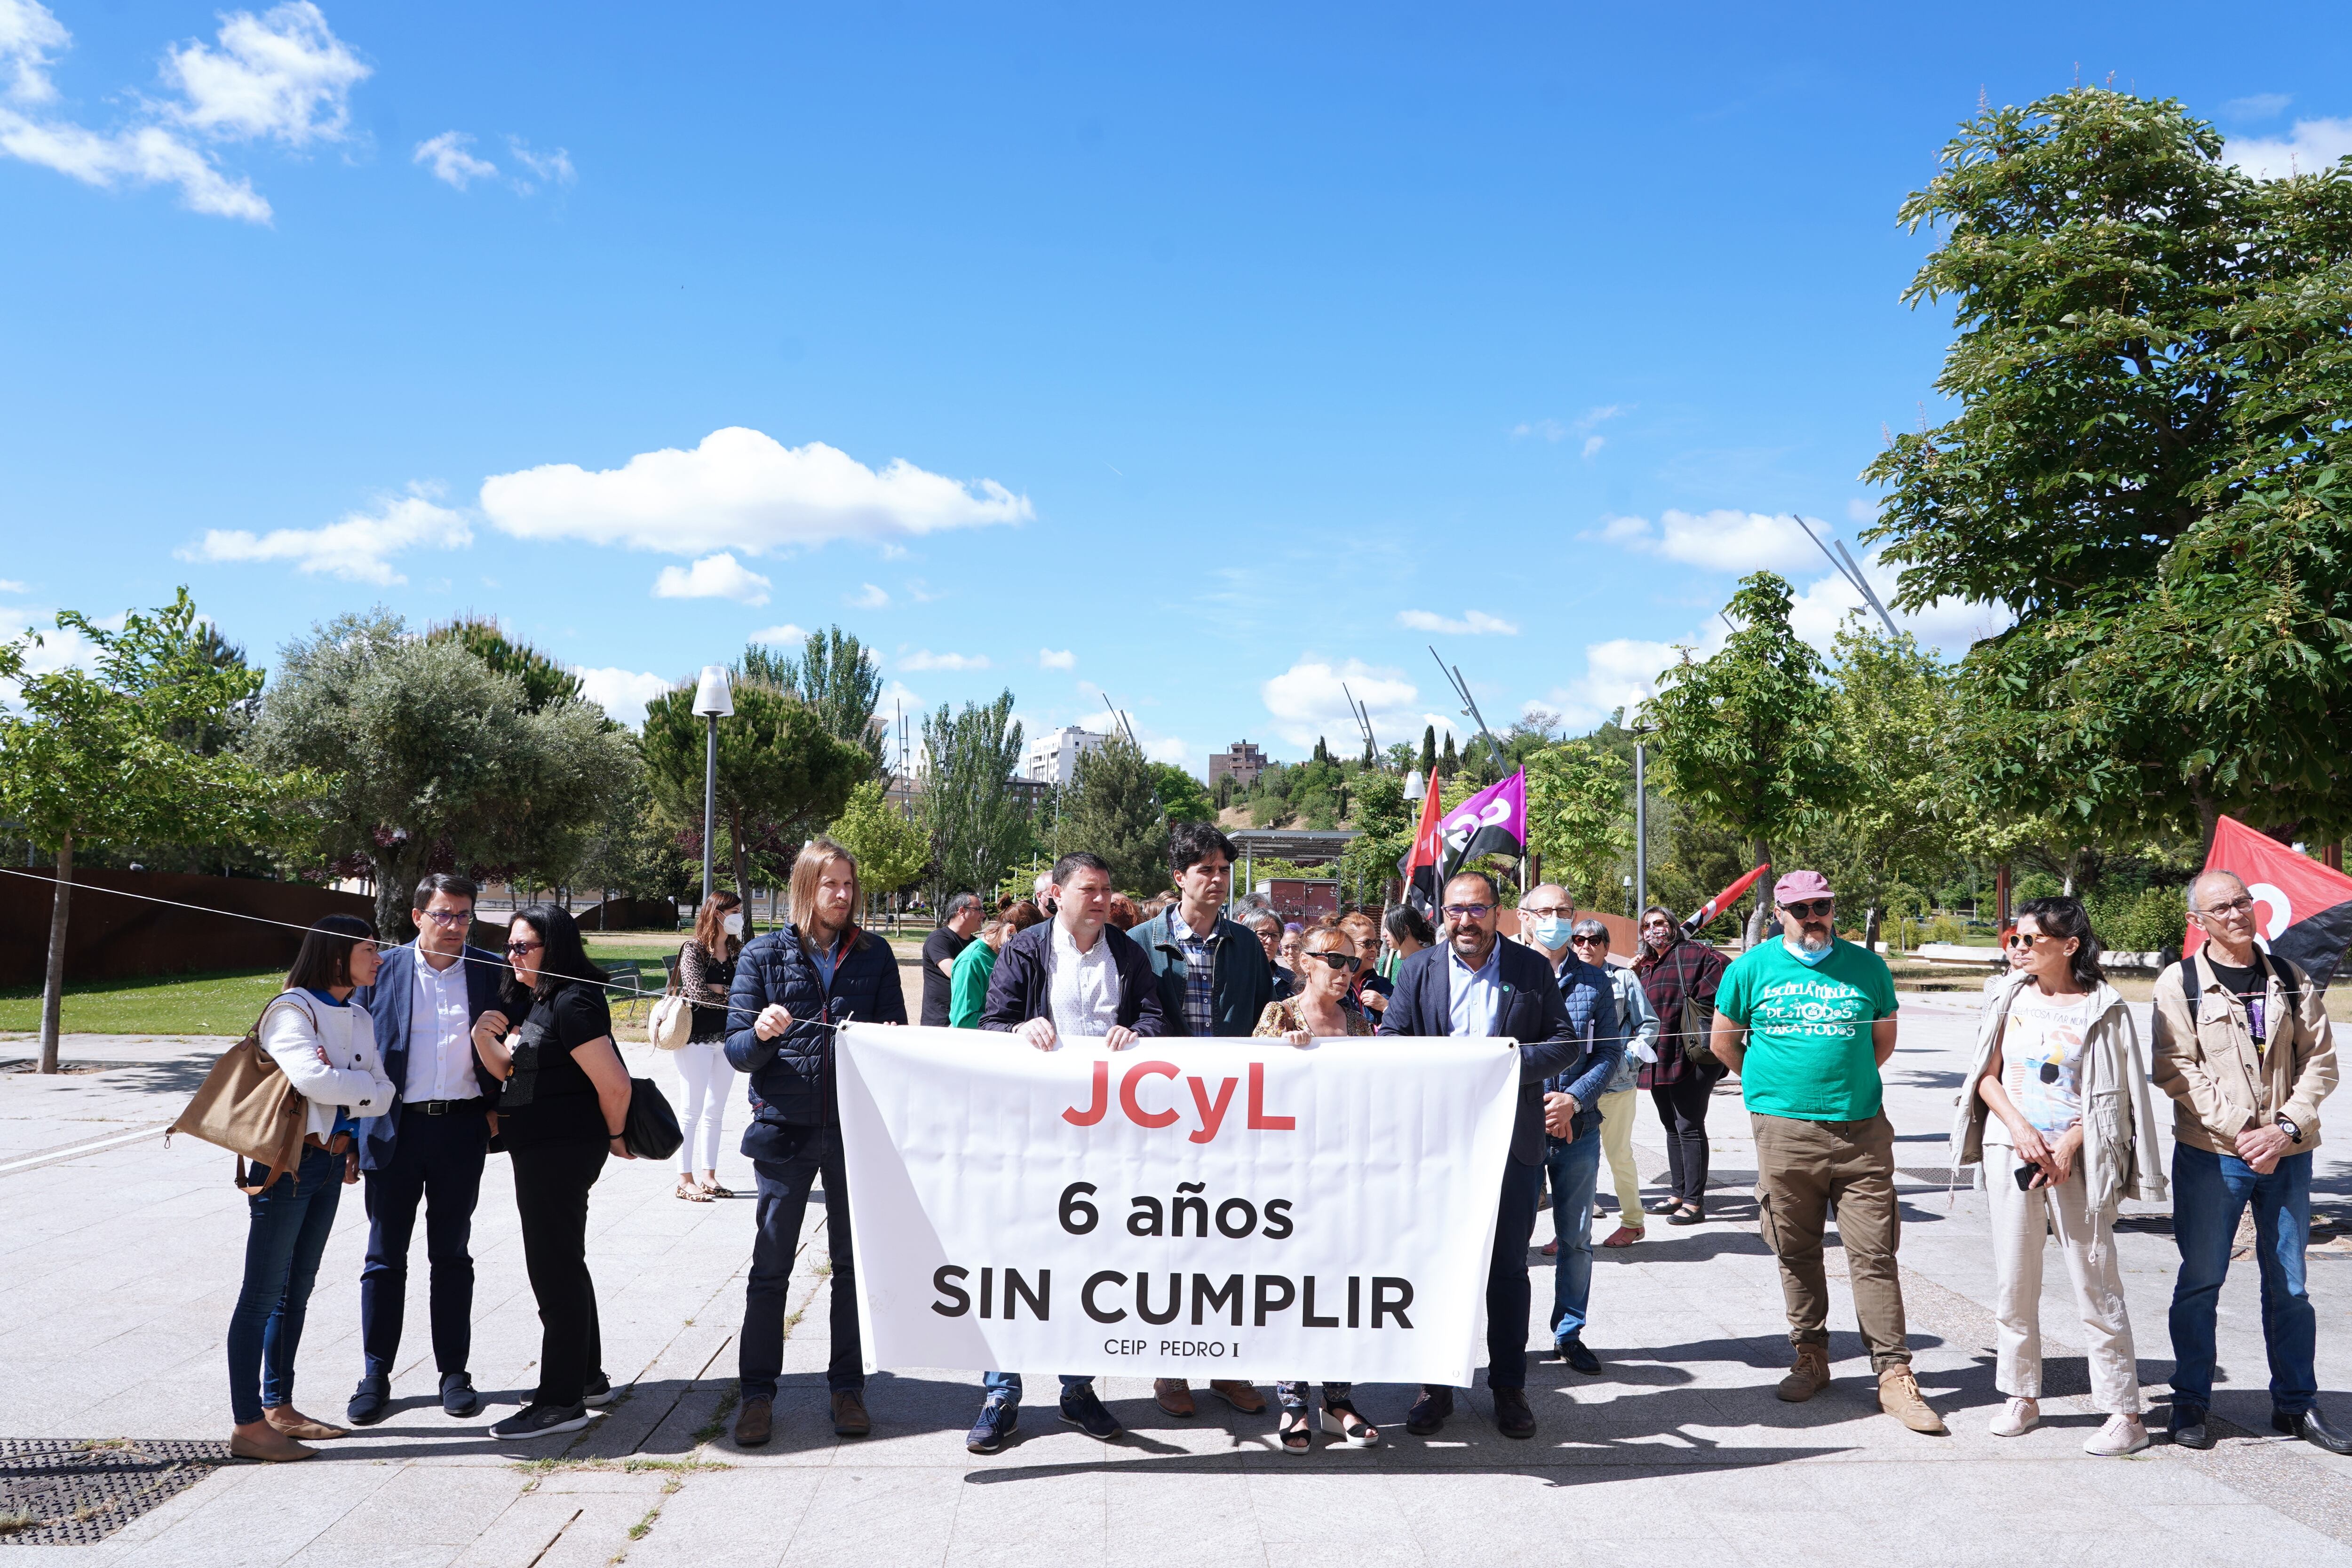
706	971
326	1048
562	1113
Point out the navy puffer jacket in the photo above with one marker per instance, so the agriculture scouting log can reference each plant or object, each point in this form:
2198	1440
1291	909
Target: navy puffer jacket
791	1074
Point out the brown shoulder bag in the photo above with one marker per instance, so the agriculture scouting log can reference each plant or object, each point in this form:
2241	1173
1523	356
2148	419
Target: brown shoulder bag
249	1106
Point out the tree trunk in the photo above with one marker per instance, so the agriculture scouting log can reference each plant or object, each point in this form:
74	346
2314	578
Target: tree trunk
1869	926
1762	912
53	984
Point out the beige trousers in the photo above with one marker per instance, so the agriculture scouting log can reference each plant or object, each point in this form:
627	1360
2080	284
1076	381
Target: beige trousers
1617	1148
1803	1167
2087	1240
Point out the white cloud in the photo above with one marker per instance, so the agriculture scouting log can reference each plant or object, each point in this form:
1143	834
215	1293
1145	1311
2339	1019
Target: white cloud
1047	658
1549	429
450	162
1721	540
1948	625
718	576
1307	702
621	693
787	633
282	75
2256	106
1172	750
899	691
60	647
1593	444
356	547
924	659
1473	623
1857	510
29	34
1620	673
555	168
741	490
869	597
10	585
2311	147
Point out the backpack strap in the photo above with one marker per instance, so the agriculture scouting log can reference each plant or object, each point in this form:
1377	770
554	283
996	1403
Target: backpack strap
2192	989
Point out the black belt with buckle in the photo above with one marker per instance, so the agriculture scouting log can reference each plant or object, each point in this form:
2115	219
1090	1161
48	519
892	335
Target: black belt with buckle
443	1106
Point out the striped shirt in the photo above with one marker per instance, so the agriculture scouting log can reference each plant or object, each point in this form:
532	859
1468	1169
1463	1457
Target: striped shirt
1200	974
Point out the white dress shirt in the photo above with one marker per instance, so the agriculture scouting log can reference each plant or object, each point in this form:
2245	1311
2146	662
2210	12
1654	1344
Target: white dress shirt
1476	994
440	1035
1085	988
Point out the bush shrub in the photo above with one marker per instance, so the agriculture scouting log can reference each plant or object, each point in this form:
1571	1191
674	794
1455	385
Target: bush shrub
2143	922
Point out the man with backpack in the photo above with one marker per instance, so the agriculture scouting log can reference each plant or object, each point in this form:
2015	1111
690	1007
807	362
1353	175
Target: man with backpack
2244	1047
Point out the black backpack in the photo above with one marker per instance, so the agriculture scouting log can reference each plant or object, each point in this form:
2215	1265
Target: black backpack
2193	989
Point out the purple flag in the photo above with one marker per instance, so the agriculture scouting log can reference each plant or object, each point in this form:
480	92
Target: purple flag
1492	822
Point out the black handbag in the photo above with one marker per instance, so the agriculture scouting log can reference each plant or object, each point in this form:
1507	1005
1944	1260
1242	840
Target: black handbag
651	1131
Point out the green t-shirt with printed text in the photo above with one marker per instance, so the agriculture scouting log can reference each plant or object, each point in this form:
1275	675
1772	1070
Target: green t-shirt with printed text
1808	1047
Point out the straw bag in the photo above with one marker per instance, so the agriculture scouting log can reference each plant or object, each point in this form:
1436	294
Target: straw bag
249	1106
673	1020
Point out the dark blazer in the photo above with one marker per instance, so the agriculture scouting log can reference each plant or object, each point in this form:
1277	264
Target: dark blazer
1241	982
791	1074
390	1003
1530	1011
1022	986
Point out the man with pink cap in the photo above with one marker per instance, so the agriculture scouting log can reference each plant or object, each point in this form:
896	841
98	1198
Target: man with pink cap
1806	1022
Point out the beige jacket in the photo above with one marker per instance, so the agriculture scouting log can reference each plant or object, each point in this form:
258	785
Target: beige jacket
2219	1082
2119	1158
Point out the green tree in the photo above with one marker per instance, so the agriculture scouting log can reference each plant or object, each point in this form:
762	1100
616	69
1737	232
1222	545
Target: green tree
1896	713
1576	821
1748	736
1384	821
1109	810
891	848
104	756
634	852
1181	796
838	676
783	774
2146	468
435	759
978	826
544	681
1429	750
1448	765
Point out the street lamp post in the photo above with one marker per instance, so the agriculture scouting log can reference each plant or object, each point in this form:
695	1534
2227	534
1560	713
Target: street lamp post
1641	832
713	702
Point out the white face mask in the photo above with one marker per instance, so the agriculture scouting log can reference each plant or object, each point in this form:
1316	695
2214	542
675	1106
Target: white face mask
732	924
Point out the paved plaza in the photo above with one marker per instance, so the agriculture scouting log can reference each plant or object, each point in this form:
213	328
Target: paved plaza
120	1260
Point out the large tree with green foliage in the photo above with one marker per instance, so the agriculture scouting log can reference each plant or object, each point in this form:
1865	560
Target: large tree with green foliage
838	676
1576	820
782	774
108	754
1183	797
2154	381
1748	737
890	847
544	681
1895	714
1109	809
435	759
976	820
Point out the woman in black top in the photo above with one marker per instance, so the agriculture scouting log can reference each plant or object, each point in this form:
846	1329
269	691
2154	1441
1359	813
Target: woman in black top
706	971
563	1108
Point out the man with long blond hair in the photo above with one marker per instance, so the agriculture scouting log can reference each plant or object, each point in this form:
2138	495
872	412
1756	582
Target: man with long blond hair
793	988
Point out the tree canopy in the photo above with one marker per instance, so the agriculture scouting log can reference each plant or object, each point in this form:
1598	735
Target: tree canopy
1109	809
976	820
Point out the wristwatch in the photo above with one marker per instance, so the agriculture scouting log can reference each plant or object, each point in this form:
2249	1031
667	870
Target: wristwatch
2294	1133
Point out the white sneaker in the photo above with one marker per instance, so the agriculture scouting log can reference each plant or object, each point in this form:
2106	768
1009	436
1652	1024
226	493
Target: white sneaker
2122	1435
2016	1419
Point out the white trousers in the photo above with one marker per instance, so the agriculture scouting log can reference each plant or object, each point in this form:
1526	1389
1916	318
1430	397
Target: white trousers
1617	1148
2086	1241
710	1080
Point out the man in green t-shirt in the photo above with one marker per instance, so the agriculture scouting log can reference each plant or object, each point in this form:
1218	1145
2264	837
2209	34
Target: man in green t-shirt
1806	1021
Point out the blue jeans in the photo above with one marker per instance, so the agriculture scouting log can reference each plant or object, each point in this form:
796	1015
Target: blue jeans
1010	1382
1574	1169
290	1222
2209	1193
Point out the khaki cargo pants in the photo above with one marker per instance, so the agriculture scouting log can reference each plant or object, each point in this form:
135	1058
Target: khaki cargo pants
1803	1168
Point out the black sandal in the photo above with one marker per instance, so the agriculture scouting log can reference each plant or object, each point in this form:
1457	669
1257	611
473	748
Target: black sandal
1351	1427
1293	1433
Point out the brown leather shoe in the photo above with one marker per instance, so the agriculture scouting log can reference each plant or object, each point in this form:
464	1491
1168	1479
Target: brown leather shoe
304	1428
1899	1396
1808	1376
755	1423
1241	1396
849	1417
277	1448
1174	1394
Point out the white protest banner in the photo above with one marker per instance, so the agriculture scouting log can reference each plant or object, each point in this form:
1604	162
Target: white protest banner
1185	1207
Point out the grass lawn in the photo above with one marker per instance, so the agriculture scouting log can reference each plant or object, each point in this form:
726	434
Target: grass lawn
220	1004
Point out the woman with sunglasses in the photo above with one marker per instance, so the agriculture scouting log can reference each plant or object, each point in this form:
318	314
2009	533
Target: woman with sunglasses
562	1112
2057	1117
1318	1009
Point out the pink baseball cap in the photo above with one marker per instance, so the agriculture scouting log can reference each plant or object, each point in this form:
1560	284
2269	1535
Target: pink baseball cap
1798	887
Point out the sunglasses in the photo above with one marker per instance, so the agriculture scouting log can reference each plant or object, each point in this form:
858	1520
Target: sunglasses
1347	961
518	948
1594	941
1469	911
1810	908
2028	938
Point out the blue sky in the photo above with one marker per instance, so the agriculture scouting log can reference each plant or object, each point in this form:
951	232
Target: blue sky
1204	360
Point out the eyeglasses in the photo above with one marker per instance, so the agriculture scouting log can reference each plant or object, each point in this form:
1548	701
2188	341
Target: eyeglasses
448	916
1810	908
1347	961
1540	913
2239	905
2028	938
518	948
1596	940
1468	911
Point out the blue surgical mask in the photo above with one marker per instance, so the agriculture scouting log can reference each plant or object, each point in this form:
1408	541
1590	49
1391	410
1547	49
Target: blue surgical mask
1810	959
1549	931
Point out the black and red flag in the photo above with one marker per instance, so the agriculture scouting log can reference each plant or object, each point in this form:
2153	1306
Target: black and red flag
1721	903
1492	822
1419	868
2303	910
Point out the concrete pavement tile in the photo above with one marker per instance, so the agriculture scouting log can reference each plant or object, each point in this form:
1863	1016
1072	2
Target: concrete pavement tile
1300	1510
870	1518
424	1505
1001	1521
733	1519
2243	1534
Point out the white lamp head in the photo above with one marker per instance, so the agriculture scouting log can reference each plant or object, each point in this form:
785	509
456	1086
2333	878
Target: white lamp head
711	699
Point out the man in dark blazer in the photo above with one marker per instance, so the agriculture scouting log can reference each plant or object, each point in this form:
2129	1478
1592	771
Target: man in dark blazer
429	1148
1474	983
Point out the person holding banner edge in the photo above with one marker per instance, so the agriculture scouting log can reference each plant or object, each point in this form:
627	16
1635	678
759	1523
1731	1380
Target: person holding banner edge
1079	973
1214	980
793	986
1477	983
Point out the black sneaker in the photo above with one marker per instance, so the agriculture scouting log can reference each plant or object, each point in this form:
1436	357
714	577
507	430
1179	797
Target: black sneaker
457	1396
541	1421
597	1393
1082	1409
370	1402
998	1418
